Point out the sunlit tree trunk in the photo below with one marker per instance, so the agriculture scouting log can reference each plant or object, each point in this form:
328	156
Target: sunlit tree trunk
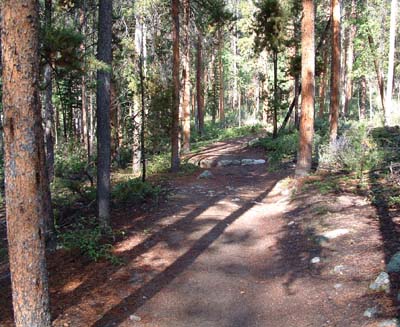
335	71
25	167
350	35
389	86
175	160
304	157
323	84
85	118
200	82
104	54
221	104
186	78
275	106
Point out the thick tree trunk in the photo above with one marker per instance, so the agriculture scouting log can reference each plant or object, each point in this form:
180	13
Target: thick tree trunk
335	71
186	78
104	54
135	114
175	159
221	104
389	85
200	82
350	35
304	158
25	167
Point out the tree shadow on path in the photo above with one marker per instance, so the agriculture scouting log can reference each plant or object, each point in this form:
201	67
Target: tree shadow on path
133	302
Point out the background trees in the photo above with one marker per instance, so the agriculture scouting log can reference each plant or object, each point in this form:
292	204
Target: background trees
115	97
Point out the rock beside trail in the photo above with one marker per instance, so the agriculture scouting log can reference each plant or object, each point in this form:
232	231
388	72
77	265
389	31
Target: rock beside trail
249	162
394	264
371	312
389	323
206	175
225	163
330	235
253	142
381	283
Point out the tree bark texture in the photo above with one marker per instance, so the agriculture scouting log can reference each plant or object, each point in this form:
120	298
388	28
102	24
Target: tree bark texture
104	54
335	71
304	158
175	159
351	33
25	167
392	44
200	82
186	78
221	104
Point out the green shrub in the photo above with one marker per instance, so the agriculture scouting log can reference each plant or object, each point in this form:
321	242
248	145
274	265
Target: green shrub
354	151
134	191
281	149
88	237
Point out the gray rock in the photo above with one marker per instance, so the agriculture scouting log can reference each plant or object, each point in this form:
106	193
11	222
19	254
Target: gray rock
339	269
381	283
389	323
332	234
316	260
249	162
226	163
370	312
134	318
394	263
338	286
206	175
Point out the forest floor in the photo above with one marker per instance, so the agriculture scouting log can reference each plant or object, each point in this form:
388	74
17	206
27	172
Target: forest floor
246	247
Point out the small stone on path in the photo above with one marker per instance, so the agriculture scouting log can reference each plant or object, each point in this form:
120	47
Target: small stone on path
134	318
370	312
206	175
330	235
316	260
389	323
381	283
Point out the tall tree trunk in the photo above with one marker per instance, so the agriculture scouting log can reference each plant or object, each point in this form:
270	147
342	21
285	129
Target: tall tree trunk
275	114
323	84
175	159
335	71
389	86
25	167
350	35
85	120
48	102
186	78
104	54
221	104
200	82
304	158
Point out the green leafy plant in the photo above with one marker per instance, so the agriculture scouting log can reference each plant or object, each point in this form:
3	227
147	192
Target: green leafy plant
134	191
91	240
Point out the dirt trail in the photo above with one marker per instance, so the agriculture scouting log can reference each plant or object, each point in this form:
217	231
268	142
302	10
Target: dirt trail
234	250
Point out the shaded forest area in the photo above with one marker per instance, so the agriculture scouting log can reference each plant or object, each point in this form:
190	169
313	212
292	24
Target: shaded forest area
114	112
